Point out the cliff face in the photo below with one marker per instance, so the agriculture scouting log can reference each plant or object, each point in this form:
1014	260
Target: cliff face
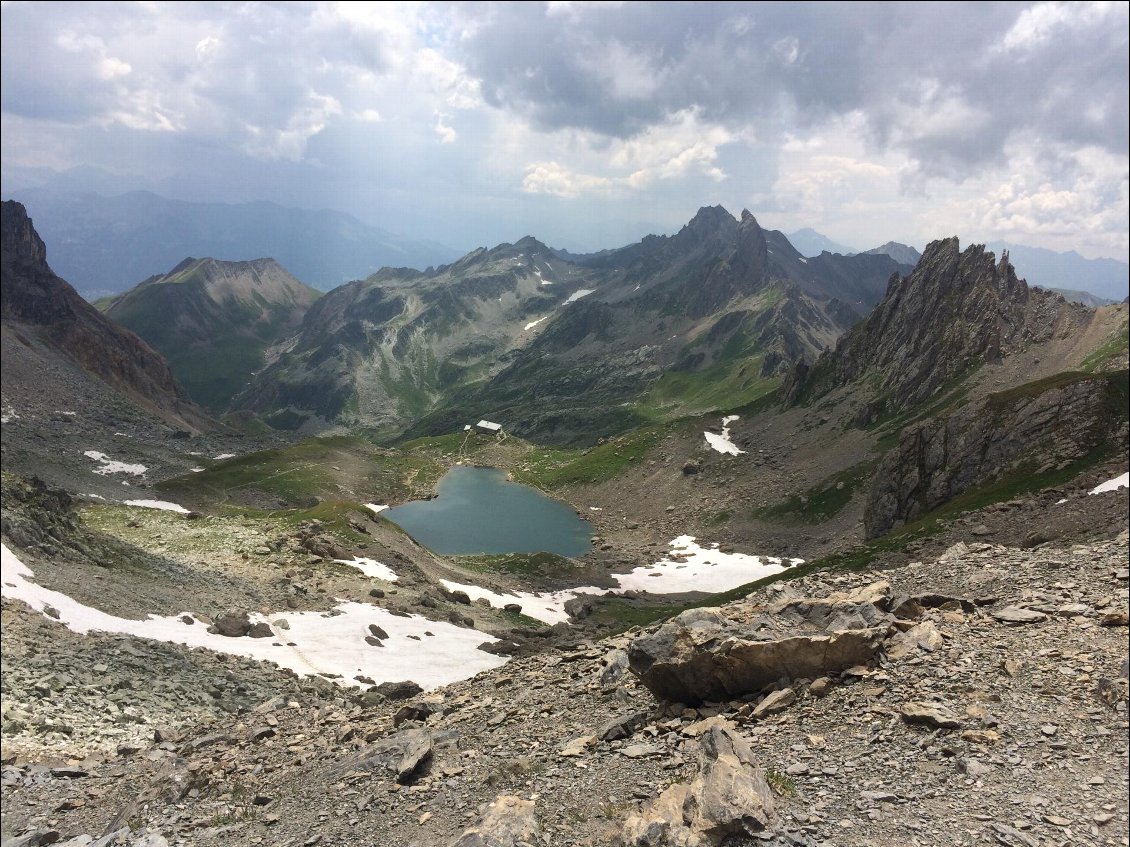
1035	428
37	304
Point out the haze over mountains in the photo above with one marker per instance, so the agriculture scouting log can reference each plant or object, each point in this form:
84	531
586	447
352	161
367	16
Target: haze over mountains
569	348
105	245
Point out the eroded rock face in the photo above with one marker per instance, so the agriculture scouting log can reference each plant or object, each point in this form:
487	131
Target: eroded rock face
1043	425
729	797
702	654
956	310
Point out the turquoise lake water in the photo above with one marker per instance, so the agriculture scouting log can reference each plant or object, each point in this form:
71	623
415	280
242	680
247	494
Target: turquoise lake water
478	511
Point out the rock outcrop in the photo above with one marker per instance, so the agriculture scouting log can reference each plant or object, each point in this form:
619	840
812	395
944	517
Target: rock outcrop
708	655
1034	428
507	822
728	797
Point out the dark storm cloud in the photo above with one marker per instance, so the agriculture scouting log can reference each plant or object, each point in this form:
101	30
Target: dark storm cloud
950	84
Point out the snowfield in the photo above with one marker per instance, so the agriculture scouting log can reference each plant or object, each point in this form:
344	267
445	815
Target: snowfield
163	505
1112	484
431	653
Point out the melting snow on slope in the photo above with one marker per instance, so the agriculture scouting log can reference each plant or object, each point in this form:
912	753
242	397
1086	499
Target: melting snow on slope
110	466
722	443
370	567
578	294
689	567
223	456
374	508
1112	484
532	324
429	652
548	607
163	505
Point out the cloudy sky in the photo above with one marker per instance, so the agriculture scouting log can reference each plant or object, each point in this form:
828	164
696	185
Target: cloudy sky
592	124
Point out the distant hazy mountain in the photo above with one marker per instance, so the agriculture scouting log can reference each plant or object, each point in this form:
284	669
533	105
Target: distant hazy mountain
1106	278
214	320
1084	297
809	242
105	244
904	254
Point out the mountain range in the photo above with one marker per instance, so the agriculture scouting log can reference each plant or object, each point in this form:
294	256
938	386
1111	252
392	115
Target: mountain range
568	347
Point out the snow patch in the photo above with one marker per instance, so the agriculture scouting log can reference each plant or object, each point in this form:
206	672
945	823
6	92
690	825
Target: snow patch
548	608
532	324
431	653
110	466
8	415
688	567
722	443
371	568
163	505
374	508
803	260
223	456
578	294
1112	484
691	567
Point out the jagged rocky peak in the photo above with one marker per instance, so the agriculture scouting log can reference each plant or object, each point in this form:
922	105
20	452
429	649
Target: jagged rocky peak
709	221
956	310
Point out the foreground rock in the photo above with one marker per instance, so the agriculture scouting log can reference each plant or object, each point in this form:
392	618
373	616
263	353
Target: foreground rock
728	797
708	654
508	822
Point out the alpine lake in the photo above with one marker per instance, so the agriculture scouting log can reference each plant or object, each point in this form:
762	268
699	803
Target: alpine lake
478	511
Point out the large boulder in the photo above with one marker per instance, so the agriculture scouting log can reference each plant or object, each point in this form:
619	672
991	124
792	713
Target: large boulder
233	624
403	755
507	822
704	654
729	797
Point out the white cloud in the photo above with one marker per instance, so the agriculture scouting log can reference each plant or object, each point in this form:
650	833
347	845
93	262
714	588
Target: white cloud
552	178
1039	24
447	134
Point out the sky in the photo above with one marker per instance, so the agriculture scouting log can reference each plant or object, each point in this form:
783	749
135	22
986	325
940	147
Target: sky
590	124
